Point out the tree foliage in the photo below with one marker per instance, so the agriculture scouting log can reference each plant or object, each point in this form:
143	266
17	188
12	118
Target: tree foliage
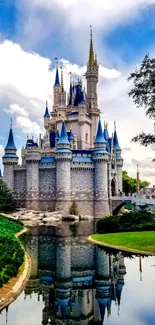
130	184
143	94
129	221
11	252
7	202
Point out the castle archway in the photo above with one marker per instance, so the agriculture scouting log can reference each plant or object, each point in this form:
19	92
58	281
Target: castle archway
113	188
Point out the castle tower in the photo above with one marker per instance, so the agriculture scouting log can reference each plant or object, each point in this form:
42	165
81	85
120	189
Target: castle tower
62	100
32	159
100	158
10	160
63	171
56	88
46	117
70	101
119	160
92	80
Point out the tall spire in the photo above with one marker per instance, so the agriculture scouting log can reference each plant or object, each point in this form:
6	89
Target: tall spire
46	110
63	139
62	81
57	82
116	143
10	144
99	136
91	60
70	90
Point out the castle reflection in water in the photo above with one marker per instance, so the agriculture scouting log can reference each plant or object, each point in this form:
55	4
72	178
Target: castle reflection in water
78	282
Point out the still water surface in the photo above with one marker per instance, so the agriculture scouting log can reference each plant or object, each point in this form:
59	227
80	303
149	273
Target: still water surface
75	282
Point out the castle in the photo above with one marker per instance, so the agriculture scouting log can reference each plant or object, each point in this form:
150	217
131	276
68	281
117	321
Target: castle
75	160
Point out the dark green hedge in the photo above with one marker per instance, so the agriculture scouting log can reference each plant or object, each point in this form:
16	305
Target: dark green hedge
11	252
132	221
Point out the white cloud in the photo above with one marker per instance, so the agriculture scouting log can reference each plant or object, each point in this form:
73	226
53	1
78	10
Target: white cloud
27	126
102	14
16	109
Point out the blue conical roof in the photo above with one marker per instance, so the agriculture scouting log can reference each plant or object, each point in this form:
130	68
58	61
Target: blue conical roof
46	111
57	81
106	136
99	136
70	136
0	174
57	135
70	93
116	143
10	144
119	287
102	305
63	136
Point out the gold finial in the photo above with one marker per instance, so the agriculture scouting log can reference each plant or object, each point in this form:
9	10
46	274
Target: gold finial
46	103
62	81
27	137
91	50
105	125
32	137
114	125
11	123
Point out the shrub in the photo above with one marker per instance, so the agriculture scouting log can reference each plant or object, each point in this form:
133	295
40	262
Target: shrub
131	221
73	209
11	252
7	202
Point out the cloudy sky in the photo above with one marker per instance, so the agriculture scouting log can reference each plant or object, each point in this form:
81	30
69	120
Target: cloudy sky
33	33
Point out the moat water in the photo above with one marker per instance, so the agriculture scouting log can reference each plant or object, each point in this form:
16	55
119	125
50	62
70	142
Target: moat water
75	282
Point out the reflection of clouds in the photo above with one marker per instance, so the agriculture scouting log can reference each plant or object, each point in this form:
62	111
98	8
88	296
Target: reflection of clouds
24	312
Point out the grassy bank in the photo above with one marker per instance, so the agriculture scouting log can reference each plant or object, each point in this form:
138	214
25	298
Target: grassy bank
11	252
143	240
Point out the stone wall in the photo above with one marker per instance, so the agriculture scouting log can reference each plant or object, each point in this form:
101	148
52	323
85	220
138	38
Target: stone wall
86	253
8	175
20	184
82	189
47	179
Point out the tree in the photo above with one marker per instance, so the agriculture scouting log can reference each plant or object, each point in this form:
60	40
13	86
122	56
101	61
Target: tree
143	94
130	184
7	202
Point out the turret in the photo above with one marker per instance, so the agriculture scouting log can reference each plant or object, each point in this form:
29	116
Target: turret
10	160
92	80
62	101
71	138
56	138
63	171
100	158
32	159
70	102
106	136
46	117
56	88
119	159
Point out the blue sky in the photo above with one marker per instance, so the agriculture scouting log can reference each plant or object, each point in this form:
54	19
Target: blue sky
33	33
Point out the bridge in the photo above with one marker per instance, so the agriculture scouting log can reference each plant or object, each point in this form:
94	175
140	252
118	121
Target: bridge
138	201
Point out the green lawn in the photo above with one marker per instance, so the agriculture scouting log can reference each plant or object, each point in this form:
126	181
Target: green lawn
142	240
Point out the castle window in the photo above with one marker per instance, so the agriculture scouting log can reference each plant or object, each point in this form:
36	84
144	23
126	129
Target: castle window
86	136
